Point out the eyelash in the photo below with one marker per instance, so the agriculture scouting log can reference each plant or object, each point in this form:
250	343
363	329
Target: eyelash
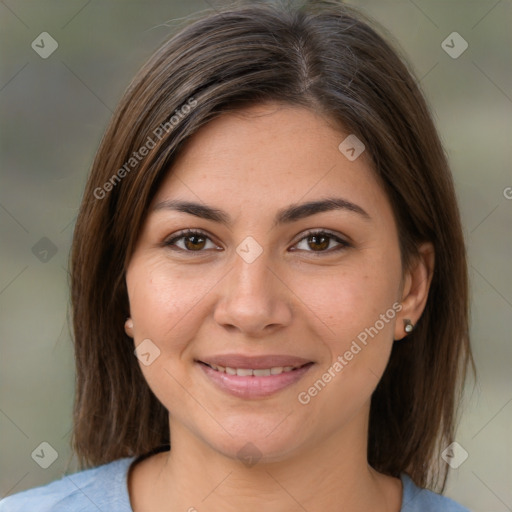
343	244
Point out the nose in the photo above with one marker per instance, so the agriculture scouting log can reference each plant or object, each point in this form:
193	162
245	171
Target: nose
254	299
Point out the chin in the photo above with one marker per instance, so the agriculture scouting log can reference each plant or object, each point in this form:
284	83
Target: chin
260	439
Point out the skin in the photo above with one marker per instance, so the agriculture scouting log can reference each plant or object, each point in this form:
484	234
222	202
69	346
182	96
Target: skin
298	297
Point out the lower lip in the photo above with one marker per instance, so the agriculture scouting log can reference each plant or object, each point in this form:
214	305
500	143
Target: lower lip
252	386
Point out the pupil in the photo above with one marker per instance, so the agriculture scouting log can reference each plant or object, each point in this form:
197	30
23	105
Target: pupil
192	242
320	245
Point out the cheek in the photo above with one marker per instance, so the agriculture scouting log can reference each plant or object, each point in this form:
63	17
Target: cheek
352	299
359	306
162	299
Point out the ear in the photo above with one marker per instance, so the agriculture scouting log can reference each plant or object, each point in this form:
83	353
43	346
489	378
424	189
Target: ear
128	327
415	290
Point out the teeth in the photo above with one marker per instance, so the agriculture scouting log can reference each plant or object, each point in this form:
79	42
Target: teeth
261	373
246	372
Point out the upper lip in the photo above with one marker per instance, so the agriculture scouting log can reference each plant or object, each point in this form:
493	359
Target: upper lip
254	362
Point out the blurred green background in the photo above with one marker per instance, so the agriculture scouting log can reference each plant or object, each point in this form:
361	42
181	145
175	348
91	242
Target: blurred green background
54	111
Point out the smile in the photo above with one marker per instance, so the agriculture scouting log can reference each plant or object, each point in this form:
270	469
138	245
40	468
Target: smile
246	372
254	378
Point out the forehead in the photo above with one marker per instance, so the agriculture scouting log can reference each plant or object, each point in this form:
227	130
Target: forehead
267	155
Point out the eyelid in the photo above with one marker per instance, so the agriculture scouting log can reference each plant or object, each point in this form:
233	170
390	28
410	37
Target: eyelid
168	241
342	242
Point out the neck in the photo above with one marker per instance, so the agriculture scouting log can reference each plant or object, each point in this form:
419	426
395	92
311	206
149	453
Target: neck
330	475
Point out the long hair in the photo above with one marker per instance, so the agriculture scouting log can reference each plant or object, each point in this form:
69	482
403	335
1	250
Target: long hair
325	57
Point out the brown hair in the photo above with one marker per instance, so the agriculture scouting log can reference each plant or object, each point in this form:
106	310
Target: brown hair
319	55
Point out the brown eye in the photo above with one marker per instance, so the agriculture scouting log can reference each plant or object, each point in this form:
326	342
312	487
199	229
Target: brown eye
321	242
318	242
194	242
191	241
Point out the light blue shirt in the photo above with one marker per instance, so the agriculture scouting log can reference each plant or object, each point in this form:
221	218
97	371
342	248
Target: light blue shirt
105	489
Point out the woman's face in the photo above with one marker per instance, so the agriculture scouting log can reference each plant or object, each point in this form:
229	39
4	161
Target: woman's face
273	277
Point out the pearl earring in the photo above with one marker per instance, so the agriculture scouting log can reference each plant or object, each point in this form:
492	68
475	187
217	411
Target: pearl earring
128	326
408	325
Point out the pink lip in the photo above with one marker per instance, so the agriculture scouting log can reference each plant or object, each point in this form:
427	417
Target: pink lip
252	387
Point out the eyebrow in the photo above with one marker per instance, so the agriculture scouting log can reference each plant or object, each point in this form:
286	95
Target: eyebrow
287	215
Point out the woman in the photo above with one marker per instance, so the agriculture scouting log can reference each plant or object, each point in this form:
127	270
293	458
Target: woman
269	282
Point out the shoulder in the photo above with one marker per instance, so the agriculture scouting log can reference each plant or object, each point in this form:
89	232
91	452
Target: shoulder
100	488
415	499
